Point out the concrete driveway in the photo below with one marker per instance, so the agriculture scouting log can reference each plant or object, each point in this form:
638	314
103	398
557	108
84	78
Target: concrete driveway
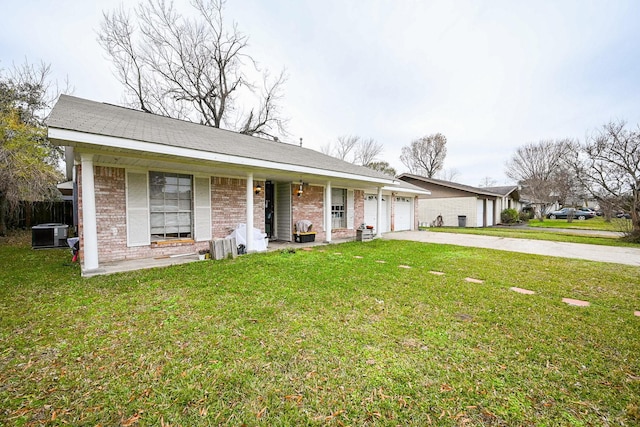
618	255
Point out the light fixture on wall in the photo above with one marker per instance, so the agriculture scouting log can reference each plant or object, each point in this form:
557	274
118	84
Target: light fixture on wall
300	191
258	189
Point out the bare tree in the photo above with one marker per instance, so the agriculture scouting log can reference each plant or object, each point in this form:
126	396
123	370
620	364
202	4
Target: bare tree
425	156
609	165
366	151
383	167
192	68
487	181
353	149
327	149
542	169
344	147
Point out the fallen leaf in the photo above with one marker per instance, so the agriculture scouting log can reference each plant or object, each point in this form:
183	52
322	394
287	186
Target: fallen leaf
261	412
131	420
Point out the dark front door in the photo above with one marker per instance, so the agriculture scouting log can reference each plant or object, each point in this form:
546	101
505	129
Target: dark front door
269	204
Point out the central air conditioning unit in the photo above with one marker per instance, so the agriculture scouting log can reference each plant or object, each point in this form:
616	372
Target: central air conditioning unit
49	236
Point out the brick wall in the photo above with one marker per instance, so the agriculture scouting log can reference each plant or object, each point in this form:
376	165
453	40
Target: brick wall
358	217
309	206
229	205
228	210
111	216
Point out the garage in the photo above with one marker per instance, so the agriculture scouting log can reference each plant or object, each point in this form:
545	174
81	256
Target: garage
403	213
371	210
484	212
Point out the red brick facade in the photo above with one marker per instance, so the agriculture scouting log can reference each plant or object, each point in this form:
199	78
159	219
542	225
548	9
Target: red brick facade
228	209
229	205
309	206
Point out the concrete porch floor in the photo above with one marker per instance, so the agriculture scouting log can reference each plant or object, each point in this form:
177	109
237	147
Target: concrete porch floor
146	263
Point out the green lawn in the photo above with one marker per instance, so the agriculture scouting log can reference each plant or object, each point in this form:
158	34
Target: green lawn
597	223
321	337
565	232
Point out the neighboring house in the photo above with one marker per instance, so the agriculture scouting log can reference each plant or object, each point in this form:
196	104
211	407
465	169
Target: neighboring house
150	186
537	208
477	207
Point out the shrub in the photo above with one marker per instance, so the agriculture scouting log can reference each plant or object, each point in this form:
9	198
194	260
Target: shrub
526	216
509	216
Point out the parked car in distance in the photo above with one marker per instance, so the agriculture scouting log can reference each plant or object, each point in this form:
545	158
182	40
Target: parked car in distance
624	215
564	213
593	211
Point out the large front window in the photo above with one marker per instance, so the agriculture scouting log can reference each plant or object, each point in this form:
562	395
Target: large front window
171	208
338	208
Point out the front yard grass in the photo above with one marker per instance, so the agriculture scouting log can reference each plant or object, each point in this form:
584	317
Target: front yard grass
571	235
330	336
597	223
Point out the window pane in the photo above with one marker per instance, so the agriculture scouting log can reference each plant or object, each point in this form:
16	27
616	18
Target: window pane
338	200
170	205
157	220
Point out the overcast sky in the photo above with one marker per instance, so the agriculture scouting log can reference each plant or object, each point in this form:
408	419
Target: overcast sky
489	75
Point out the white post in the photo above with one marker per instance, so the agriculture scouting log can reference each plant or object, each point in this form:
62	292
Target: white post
379	213
327	212
249	213
89	223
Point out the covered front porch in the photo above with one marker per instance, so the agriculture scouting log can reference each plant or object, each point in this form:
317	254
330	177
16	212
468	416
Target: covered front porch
166	261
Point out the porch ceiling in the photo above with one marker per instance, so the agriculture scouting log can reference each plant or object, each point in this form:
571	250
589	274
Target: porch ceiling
135	159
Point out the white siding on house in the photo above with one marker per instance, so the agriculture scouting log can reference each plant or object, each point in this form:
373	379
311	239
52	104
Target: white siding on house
138	233
283	211
449	208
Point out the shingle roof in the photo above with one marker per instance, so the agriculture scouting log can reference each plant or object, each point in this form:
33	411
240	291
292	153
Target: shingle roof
503	191
491	191
82	115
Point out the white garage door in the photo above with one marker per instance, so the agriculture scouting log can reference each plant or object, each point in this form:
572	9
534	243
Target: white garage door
403	213
489	213
479	213
371	211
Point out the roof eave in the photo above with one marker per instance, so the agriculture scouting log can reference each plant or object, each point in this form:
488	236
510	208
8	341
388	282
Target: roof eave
65	136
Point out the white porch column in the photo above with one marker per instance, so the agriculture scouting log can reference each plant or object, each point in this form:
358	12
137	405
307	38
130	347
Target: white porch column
327	212
379	213
89	223
249	212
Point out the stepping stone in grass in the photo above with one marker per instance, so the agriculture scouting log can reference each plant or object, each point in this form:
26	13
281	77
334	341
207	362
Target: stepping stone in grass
472	280
381	261
575	302
404	266
636	313
358	256
522	291
337	253
437	273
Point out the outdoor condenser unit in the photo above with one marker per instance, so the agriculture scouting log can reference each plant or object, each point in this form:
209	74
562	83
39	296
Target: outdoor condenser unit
49	236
